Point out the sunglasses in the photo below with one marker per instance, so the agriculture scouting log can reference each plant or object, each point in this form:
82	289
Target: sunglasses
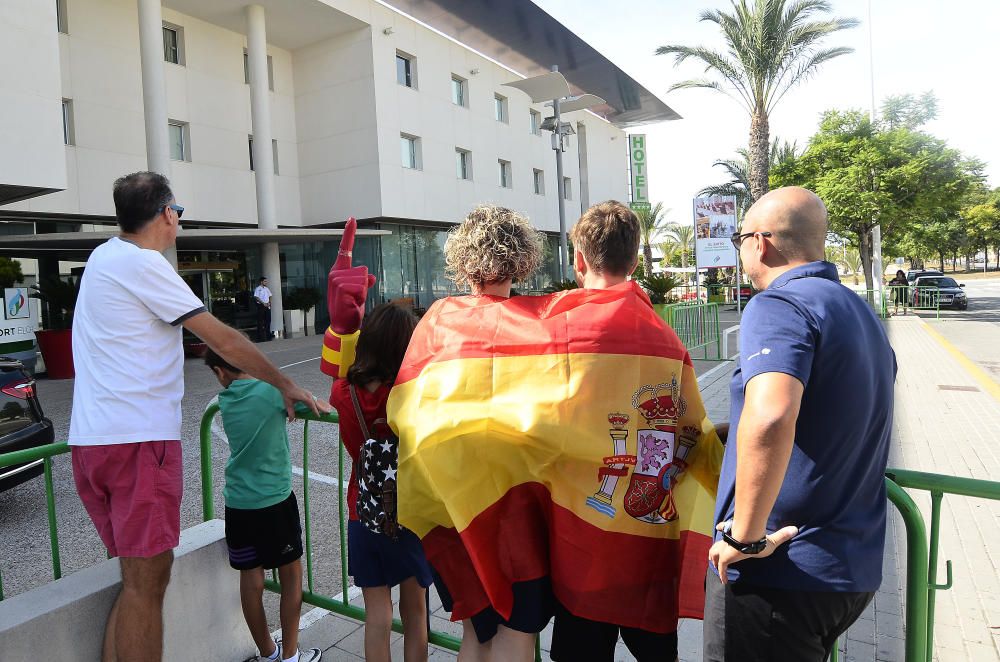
738	238
177	208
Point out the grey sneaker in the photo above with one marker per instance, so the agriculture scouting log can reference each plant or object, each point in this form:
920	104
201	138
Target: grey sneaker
264	658
310	655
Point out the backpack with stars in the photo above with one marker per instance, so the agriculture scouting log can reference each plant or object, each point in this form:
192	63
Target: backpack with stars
376	474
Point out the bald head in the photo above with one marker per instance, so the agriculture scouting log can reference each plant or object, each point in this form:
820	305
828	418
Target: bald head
796	217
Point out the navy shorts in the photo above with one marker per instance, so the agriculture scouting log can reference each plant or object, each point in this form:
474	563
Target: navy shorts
534	606
576	638
374	559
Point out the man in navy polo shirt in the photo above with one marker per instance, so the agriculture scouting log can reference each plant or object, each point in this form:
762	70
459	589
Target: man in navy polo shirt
812	402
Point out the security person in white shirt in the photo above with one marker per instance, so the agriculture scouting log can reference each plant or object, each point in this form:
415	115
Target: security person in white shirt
262	297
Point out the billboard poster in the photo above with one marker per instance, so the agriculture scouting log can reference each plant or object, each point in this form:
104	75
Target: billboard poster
714	226
640	178
18	321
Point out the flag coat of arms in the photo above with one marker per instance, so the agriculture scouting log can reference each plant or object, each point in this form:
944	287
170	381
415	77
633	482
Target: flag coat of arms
561	436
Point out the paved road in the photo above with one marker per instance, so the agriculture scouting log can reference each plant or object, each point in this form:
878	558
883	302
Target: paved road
976	331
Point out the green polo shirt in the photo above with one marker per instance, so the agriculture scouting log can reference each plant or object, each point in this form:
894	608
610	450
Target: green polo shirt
259	471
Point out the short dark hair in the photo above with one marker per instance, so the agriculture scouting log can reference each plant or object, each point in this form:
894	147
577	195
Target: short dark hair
139	197
385	334
608	236
262	279
213	360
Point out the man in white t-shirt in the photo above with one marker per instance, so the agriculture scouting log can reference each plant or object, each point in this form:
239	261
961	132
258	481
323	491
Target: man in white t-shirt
262	297
125	426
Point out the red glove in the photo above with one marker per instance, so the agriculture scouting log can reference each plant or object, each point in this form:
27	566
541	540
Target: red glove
347	286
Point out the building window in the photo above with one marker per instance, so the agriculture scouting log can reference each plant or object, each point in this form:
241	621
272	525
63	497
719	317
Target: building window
567	188
180	140
67	117
459	91
463	163
500	108
61	21
406	70
538	177
505	178
410	151
535	124
173	43
274	153
270	70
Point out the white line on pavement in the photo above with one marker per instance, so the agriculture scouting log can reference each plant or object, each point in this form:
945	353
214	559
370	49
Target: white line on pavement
315	358
703	380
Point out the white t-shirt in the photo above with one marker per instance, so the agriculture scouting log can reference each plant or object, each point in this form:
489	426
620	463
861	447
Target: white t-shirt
127	347
262	293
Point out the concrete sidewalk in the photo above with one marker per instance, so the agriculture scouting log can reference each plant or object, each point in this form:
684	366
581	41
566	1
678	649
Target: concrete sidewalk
938	428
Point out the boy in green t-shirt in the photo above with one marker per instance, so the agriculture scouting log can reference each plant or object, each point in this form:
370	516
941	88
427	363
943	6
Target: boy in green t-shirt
262	516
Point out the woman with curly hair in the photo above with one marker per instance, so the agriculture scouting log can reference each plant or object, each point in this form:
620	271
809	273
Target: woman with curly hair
490	250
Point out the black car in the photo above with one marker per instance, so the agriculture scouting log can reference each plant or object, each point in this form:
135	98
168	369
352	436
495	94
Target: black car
948	293
913	274
22	423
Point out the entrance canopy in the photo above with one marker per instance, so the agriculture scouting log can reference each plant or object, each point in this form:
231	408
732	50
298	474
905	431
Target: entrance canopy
76	243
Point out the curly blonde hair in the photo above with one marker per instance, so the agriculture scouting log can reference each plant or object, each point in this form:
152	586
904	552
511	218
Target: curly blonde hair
491	245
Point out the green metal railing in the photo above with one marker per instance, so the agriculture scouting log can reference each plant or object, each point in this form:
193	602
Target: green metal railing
310	596
696	324
922	554
905	297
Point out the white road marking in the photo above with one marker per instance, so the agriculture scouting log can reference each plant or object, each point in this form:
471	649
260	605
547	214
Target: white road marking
282	367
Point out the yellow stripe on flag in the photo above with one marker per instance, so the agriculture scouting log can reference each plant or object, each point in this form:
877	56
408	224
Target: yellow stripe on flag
471	429
344	357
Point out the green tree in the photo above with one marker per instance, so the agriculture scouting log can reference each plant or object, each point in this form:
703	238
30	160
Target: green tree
10	272
771	46
738	169
982	226
683	235
867	173
907	110
650	227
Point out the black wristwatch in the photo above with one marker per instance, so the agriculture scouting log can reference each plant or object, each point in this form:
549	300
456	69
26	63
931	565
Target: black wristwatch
745	547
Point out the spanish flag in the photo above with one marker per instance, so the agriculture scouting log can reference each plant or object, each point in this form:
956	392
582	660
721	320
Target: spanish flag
563	437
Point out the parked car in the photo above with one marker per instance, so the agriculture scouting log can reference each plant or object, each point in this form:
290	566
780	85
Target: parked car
945	290
914	274
746	292
22	423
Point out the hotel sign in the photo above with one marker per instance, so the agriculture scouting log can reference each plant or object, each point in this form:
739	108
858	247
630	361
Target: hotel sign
637	162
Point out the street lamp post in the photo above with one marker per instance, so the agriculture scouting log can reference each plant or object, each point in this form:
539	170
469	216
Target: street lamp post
552	88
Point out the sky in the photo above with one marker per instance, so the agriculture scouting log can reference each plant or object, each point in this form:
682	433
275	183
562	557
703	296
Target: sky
949	47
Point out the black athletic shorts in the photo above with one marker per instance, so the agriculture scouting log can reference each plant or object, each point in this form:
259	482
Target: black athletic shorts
575	638
264	537
534	604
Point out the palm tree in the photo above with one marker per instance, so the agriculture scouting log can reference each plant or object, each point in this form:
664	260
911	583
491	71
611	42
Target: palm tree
669	251
683	235
771	47
650	221
851	259
739	172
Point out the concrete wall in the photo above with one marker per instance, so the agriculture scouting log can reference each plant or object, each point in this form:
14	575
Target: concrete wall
64	620
31	144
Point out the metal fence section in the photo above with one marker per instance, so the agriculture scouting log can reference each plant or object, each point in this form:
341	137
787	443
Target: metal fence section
310	596
696	324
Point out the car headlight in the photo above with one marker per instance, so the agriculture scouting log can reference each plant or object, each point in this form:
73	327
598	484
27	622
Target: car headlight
960	295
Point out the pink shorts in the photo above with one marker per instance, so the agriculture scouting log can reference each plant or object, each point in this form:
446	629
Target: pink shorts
132	492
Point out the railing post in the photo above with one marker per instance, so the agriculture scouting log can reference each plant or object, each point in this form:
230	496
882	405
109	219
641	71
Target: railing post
50	502
305	497
207	500
916	573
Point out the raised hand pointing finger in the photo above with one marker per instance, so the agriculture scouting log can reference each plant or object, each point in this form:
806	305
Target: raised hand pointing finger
346	245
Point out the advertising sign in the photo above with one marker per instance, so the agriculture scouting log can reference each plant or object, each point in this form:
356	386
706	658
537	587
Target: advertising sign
714	226
640	178
18	323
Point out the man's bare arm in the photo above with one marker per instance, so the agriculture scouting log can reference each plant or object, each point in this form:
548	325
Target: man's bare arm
234	347
764	442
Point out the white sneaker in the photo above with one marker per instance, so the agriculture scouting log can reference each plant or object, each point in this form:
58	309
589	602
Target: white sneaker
264	658
310	655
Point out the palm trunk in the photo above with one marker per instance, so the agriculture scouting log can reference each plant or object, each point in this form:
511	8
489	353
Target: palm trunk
760	143
647	260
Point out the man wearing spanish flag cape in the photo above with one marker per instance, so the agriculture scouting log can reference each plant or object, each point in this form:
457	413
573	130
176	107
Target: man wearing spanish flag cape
561	437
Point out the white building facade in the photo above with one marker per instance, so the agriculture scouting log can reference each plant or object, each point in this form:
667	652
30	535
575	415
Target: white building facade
366	112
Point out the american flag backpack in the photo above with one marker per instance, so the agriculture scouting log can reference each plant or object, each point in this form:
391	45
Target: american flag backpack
376	474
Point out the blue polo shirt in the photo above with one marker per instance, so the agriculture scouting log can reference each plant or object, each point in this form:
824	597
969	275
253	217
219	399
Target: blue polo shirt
807	325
